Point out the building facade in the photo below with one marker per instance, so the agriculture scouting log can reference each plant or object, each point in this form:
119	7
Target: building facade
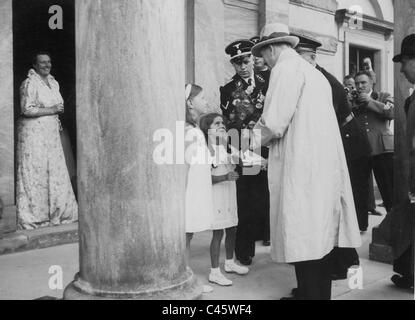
350	30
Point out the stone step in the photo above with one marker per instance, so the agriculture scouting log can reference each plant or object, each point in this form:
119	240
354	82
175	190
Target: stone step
38	239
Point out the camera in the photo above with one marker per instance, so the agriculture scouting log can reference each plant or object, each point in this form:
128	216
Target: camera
352	94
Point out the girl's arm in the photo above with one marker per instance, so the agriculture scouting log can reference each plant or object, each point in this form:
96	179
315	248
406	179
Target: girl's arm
231	176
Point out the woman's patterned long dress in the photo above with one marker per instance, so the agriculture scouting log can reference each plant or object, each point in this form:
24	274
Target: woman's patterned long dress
44	193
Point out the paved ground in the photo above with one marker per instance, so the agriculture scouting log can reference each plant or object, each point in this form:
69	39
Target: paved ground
26	275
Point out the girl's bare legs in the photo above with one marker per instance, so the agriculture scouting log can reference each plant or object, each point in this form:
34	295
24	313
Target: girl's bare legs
215	248
230	265
216	275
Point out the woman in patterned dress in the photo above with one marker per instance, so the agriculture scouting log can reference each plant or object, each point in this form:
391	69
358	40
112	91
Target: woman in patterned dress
44	193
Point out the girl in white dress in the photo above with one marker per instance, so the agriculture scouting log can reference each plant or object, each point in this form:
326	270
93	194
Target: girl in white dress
198	199
225	211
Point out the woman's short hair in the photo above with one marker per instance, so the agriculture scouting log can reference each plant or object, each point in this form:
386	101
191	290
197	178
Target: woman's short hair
40	53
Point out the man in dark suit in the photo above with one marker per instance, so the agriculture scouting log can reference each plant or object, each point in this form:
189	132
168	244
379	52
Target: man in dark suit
375	111
242	103
355	140
404	220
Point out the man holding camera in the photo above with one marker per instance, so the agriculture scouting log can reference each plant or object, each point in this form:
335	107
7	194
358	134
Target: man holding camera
375	111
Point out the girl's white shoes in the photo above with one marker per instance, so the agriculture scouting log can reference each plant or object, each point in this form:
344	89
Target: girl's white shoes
232	267
218	278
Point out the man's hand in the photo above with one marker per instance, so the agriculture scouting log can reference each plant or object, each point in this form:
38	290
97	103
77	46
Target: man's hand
232	176
412	197
363	98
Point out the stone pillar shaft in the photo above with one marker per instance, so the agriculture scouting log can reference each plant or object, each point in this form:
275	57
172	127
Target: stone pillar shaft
130	82
7	199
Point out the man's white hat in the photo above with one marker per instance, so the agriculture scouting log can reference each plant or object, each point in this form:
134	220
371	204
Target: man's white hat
274	33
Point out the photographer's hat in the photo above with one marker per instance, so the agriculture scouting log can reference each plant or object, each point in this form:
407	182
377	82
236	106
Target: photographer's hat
274	33
408	48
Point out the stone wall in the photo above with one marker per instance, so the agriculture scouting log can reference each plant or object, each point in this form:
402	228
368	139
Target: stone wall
209	45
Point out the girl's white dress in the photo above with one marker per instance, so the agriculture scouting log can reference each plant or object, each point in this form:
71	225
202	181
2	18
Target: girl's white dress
225	208
198	201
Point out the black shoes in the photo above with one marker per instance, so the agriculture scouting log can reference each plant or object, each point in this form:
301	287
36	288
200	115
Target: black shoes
246	261
266	243
374	212
403	282
294	295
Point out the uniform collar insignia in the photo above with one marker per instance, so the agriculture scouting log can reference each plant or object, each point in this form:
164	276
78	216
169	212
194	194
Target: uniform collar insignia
260	78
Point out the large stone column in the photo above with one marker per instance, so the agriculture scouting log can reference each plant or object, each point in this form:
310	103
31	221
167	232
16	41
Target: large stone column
130	82
7	200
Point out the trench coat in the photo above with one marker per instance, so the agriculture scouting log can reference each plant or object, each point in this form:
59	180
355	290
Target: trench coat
311	201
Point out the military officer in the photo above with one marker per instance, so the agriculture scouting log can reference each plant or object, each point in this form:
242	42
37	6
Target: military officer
375	111
260	67
242	103
355	140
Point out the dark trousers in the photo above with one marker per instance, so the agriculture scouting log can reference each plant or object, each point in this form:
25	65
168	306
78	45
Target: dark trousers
383	171
260	199
245	234
314	279
404	265
359	170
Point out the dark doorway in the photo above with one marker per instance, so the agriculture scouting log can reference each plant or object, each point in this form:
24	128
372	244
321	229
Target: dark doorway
32	32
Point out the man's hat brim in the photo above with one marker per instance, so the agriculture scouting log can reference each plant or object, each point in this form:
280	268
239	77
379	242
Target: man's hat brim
292	40
397	58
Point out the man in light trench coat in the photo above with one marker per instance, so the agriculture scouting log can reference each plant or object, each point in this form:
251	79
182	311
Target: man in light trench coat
311	201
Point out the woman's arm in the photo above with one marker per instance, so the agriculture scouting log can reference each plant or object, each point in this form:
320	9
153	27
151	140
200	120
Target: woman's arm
30	106
36	112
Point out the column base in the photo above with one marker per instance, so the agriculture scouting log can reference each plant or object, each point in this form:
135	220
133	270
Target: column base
190	289
379	250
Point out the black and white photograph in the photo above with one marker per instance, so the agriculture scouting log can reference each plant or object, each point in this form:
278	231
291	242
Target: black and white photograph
223	152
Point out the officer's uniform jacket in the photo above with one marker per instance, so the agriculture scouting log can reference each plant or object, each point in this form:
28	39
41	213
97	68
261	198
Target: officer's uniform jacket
228	100
377	125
